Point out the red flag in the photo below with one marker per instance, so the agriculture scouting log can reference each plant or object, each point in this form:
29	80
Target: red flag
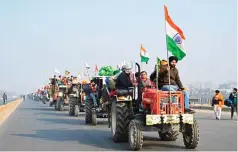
96	68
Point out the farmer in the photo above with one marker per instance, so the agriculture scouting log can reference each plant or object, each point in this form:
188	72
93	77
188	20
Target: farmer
123	81
233	97
217	103
93	89
144	80
175	83
53	83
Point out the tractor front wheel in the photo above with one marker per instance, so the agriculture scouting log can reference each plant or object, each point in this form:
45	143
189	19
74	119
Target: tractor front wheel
191	135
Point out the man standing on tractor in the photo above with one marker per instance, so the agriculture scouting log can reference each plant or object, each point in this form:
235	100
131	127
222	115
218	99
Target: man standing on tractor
175	83
53	83
233	97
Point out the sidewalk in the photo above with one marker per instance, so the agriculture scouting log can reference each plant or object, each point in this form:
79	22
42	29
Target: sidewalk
208	107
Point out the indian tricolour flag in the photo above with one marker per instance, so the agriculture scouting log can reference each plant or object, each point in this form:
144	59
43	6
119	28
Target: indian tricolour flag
174	37
144	55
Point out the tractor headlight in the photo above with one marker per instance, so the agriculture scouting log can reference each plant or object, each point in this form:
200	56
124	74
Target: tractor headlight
60	94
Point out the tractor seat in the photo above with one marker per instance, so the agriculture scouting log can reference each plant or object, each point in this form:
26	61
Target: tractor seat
122	92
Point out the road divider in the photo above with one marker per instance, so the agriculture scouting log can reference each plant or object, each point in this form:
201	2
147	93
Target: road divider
208	107
6	110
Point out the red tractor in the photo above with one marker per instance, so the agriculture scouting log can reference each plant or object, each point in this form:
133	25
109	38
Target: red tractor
161	111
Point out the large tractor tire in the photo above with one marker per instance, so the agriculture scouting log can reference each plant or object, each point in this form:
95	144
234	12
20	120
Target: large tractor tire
120	118
76	110
135	135
88	111
94	117
169	136
72	107
54	103
43	100
191	135
59	105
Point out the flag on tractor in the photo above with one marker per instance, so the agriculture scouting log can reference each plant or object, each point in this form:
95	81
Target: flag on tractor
67	73
96	69
174	37
144	55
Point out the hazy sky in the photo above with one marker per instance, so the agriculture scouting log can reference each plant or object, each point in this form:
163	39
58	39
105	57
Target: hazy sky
37	36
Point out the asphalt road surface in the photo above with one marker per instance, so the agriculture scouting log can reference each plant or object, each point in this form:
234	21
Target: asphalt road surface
34	126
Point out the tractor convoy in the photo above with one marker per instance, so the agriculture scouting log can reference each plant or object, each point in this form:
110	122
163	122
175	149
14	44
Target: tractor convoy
130	112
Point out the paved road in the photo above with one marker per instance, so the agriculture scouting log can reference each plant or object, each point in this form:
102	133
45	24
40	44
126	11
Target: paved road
34	126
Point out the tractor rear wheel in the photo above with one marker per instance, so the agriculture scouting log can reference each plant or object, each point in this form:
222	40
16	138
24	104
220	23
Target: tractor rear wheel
76	110
61	105
88	111
71	107
94	117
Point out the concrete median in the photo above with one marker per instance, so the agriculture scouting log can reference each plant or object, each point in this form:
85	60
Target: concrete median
6	110
208	107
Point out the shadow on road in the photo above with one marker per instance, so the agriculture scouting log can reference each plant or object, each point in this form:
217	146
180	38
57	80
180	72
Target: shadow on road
213	118
54	113
95	138
63	121
100	139
37	109
72	121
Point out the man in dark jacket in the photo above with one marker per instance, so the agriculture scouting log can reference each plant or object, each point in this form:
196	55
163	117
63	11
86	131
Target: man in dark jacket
123	80
175	83
4	97
233	97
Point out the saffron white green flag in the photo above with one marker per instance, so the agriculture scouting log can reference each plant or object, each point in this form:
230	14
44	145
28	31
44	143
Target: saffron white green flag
174	37
144	55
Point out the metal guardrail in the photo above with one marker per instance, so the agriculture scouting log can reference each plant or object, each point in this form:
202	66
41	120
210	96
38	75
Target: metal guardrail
195	101
199	101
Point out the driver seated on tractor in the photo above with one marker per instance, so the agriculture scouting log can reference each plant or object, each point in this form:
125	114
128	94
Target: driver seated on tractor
93	89
64	81
123	81
175	83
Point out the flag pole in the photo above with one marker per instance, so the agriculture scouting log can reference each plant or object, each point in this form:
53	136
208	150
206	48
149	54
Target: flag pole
165	9
157	77
141	63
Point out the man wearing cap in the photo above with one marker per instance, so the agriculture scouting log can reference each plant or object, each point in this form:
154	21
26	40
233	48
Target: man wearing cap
123	81
175	83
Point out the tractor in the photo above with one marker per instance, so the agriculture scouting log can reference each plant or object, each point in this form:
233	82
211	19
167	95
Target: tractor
93	112
62	99
76	99
153	110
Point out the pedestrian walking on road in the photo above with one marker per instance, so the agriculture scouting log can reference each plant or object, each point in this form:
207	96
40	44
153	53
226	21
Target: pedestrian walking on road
4	97
233	97
217	103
